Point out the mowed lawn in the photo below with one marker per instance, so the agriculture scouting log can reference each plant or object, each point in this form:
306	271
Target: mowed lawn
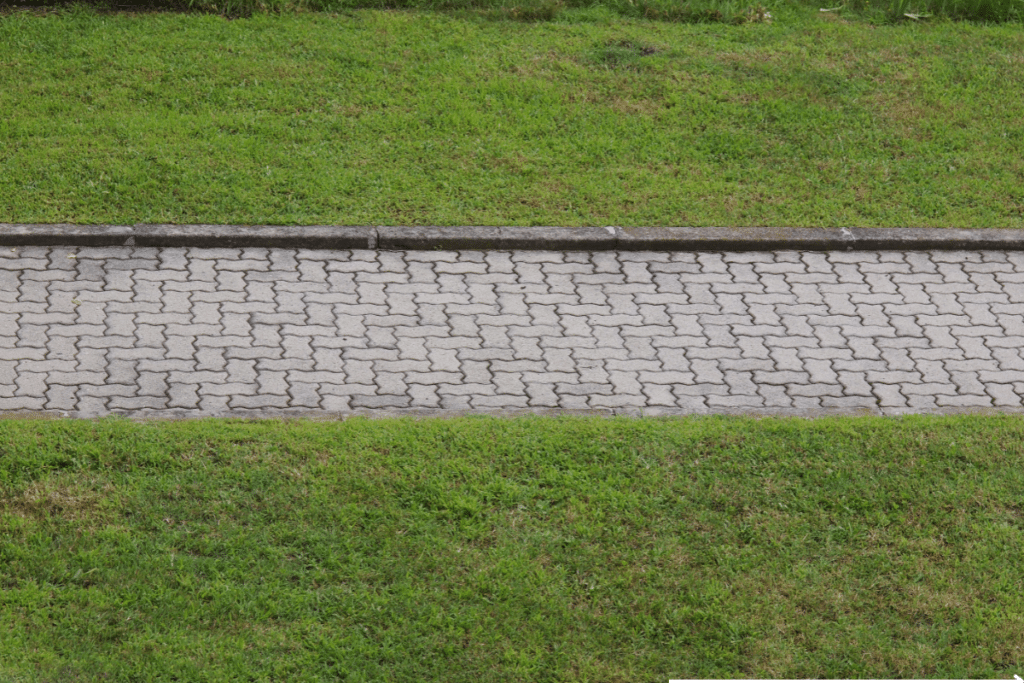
536	549
395	118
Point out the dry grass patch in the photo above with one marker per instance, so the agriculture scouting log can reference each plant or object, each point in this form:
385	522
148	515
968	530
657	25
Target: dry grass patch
67	498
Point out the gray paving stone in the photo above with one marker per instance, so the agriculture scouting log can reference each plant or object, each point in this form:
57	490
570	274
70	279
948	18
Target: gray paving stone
1003	394
350	389
184	396
424	396
542	394
179	365
1008	359
857	404
228	389
138	403
964	401
380	401
304	395
61	397
22	403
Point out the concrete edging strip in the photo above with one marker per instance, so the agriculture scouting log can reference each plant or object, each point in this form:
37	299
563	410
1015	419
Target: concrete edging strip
512	237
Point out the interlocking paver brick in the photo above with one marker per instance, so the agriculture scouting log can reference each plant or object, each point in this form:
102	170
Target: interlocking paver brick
1008	358
1002	394
142	403
964	401
184	396
61	397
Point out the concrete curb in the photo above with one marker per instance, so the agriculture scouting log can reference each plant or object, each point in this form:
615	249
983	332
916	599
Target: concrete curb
511	237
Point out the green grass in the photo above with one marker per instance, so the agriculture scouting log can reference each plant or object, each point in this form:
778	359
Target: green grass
393	118
484	549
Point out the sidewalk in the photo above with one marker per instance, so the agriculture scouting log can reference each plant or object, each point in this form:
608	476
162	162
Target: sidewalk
251	332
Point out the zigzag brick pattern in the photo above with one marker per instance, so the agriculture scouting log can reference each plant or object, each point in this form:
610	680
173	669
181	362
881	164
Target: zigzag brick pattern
95	331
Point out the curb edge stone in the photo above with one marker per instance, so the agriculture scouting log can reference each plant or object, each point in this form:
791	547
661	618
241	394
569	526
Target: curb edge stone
418	238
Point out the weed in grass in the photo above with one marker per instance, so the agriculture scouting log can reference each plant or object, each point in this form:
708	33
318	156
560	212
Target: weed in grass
623	54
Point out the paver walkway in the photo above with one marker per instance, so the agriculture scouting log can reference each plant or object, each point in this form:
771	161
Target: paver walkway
93	331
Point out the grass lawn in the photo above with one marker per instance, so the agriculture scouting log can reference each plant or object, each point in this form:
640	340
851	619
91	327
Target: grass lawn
395	118
535	549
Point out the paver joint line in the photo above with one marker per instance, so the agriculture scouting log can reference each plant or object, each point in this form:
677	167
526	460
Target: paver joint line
256	331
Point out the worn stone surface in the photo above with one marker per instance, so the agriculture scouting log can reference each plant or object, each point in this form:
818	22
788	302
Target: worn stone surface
257	331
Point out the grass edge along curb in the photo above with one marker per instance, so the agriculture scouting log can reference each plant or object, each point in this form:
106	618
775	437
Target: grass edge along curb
420	238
